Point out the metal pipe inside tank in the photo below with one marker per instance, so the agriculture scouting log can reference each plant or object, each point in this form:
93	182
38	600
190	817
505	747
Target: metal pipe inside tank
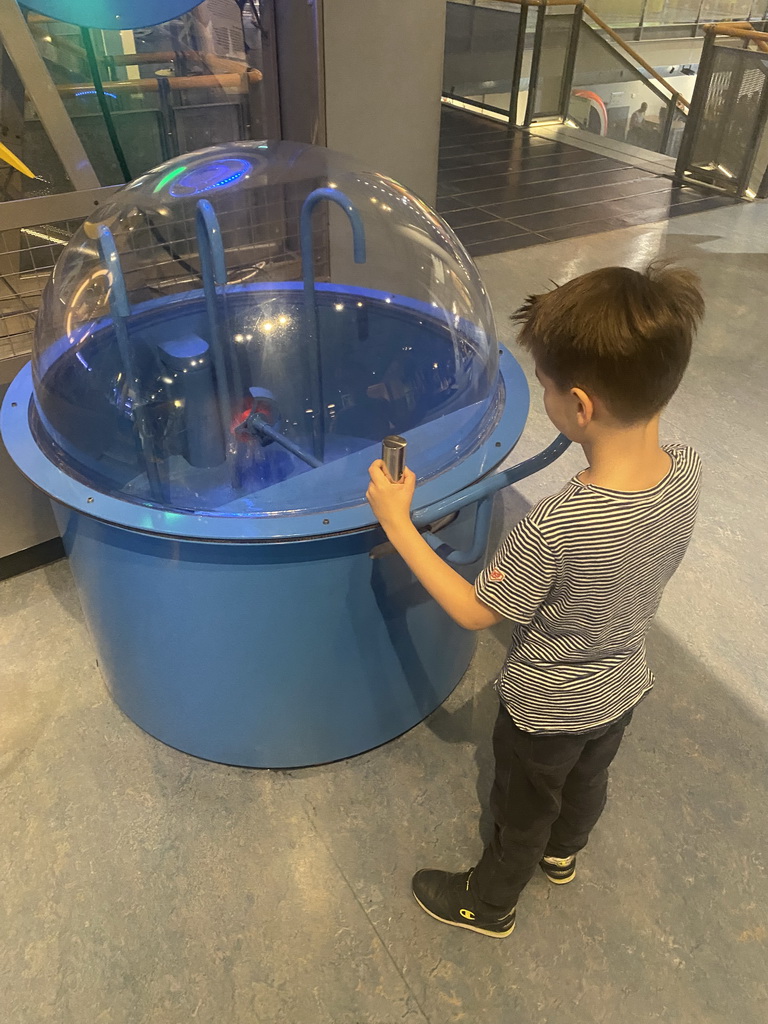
311	319
121	310
214	273
257	425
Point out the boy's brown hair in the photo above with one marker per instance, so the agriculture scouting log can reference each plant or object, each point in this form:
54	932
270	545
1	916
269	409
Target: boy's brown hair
622	335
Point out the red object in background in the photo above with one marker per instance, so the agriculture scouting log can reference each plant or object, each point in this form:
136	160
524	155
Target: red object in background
261	406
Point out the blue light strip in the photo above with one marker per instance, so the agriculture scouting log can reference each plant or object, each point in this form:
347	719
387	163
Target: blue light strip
92	92
198	180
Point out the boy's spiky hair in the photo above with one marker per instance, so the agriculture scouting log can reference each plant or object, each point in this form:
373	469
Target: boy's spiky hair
621	334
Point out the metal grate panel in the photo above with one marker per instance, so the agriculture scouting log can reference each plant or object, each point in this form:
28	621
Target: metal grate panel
726	133
27	258
260	234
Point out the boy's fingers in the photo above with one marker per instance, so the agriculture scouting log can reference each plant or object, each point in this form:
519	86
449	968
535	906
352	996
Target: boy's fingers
378	471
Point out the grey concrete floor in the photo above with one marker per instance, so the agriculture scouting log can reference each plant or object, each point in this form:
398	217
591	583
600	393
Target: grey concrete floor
142	885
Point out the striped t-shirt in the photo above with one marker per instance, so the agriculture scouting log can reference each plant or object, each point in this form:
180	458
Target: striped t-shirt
581	577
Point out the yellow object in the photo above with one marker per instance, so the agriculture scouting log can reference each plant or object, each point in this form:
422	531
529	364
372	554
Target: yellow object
13	160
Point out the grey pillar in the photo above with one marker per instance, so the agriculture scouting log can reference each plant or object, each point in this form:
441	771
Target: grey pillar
383	64
365	77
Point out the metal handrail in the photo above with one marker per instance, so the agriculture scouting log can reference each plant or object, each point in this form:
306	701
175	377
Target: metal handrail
215	63
570	3
679	100
737	30
227	80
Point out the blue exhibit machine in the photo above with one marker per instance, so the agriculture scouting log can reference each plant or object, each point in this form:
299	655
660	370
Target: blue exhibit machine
219	353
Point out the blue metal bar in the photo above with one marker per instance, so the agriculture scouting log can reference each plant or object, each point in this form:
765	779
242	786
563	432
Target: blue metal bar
479	538
120	308
311	319
214	273
492	483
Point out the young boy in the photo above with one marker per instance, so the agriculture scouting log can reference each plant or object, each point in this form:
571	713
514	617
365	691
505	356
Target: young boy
580	577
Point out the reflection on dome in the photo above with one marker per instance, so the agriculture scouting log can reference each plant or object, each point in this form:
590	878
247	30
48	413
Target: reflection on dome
236	331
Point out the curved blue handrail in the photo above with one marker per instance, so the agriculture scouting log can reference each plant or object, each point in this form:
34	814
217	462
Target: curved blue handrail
311	319
479	537
492	483
482	492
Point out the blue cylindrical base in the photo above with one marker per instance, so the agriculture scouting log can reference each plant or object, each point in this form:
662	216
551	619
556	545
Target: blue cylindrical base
266	655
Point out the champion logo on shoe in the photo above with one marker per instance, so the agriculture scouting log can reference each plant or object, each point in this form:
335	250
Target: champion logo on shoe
447	897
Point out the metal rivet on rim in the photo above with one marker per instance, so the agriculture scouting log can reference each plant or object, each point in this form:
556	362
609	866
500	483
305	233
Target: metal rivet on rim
326	522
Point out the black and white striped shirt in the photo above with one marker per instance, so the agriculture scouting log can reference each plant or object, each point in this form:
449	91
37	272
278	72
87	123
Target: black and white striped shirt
581	576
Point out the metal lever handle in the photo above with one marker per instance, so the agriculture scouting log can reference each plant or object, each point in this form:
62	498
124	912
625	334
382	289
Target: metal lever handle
482	493
393	455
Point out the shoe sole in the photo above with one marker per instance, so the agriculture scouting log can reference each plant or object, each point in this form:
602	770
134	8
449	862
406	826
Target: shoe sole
560	881
469	927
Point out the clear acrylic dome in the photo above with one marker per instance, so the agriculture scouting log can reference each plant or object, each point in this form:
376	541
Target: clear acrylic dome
223	338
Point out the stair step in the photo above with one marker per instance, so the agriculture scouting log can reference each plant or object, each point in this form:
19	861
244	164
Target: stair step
656	163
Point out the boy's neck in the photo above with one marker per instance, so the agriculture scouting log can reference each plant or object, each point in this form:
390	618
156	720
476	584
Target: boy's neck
625	458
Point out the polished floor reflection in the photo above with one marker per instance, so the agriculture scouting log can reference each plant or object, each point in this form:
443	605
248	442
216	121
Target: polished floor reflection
143	886
503	190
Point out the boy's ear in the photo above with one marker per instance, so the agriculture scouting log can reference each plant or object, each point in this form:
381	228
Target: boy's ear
585	406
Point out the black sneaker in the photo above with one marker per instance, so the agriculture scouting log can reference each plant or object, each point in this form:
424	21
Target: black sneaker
559	869
449	899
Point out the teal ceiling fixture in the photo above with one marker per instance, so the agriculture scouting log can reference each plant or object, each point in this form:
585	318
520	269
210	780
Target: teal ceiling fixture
115	14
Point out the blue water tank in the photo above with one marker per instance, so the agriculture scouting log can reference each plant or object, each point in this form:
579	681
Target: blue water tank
219	353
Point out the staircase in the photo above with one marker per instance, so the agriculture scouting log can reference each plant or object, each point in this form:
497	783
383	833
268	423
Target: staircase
539	63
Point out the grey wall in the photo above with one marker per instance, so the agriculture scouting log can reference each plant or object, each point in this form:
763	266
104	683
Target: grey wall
383	62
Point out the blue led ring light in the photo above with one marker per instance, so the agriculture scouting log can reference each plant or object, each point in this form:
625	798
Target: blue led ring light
211	177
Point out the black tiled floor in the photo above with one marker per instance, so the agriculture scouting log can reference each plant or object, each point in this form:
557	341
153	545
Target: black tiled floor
489	232
575	230
450	205
503	189
506	160
506	244
465	218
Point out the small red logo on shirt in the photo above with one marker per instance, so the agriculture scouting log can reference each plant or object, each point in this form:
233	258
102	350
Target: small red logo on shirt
496	575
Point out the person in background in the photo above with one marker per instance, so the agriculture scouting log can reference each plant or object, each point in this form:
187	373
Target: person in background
636	122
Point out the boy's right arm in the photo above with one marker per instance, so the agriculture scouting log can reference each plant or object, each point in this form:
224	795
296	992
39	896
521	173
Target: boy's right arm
391	503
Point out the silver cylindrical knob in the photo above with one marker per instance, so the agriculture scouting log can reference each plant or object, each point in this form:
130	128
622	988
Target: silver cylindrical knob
393	455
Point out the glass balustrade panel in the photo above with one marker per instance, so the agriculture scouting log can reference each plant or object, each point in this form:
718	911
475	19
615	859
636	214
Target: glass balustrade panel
480	45
611	98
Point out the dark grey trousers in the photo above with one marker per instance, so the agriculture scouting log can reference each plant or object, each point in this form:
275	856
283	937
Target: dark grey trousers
548	793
